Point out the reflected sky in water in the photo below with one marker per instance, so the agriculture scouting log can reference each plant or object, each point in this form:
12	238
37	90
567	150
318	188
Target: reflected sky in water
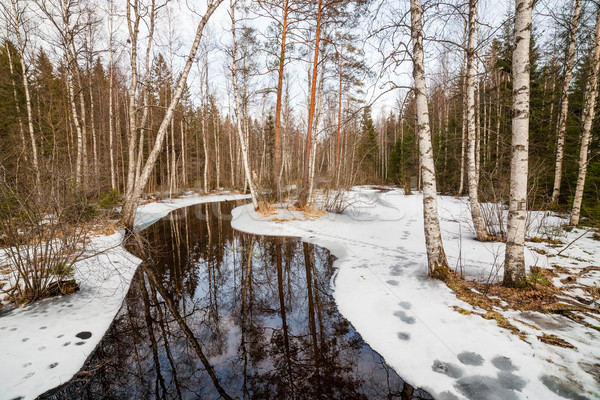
215	313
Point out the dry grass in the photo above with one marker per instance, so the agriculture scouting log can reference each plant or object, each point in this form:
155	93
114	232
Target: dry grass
555	341
491	297
532	298
537	294
266	209
309	211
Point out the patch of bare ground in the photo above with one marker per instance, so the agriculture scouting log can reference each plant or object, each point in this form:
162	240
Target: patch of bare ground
537	293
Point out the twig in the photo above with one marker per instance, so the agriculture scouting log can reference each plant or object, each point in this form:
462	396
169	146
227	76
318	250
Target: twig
579	237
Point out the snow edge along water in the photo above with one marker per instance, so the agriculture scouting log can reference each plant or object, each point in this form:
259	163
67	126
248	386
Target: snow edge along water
44	344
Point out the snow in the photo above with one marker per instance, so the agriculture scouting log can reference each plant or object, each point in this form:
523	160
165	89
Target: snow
381	287
44	344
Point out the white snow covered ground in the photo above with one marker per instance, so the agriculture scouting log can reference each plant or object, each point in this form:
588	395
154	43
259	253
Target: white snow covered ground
42	345
382	288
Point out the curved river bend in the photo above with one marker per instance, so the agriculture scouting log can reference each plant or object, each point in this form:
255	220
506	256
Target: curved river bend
215	313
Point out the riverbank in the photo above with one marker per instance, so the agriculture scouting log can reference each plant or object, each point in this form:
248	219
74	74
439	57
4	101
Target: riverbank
430	337
44	344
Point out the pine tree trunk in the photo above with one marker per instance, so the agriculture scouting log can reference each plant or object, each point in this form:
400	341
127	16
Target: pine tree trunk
473	181
436	257
305	195
514	261
591	92
564	102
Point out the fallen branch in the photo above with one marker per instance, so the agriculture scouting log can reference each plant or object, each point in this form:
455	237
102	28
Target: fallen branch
579	237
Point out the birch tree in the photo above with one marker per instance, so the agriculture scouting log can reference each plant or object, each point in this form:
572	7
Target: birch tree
113	181
436	257
130	204
239	114
564	102
589	112
473	176
15	16
514	261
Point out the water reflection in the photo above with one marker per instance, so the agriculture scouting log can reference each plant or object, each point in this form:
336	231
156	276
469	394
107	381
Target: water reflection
215	313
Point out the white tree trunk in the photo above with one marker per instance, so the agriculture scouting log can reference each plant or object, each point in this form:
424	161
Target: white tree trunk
16	22
591	92
436	257
514	263
472	170
239	114
133	27
130	204
17	106
564	103
113	181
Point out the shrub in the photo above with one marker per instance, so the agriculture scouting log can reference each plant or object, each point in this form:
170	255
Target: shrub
44	237
110	200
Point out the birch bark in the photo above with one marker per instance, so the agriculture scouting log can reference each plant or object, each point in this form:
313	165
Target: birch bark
514	261
564	102
589	112
238	109
436	257
472	170
130	204
17	25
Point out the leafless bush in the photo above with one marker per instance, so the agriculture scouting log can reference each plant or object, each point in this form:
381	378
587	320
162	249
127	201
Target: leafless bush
43	237
493	215
336	201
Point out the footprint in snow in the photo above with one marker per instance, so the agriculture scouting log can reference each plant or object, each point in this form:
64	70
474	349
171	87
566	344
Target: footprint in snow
405	304
504	363
404	317
53	365
84	335
452	370
470	358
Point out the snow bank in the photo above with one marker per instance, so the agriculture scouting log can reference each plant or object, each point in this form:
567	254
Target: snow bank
383	290
42	345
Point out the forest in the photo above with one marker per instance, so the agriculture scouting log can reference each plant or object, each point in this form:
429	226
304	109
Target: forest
109	106
91	91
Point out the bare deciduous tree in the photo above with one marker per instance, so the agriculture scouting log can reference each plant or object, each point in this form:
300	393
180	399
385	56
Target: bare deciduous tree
514	262
436	257
589	112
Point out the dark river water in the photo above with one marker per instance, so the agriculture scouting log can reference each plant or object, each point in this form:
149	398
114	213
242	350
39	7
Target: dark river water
215	313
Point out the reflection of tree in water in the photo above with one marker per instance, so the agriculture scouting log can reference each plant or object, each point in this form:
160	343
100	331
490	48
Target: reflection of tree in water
214	313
